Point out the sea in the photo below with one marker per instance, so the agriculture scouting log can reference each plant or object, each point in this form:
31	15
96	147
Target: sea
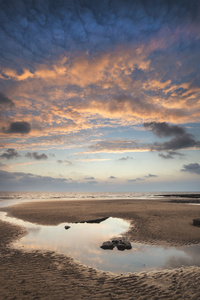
11	198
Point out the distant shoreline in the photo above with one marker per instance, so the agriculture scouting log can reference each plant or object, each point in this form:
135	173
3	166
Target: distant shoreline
193	198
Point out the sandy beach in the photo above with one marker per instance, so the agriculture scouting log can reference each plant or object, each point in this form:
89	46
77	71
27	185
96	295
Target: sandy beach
47	275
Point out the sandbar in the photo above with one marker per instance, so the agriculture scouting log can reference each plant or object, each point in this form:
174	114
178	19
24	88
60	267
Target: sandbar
48	275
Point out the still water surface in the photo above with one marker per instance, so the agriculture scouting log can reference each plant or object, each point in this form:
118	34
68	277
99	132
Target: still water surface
82	241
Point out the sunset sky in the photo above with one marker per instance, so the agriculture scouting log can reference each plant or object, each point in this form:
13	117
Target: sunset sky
99	95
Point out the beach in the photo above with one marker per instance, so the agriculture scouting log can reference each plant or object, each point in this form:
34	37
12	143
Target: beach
48	275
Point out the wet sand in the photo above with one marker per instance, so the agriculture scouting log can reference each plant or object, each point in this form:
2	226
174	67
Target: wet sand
45	275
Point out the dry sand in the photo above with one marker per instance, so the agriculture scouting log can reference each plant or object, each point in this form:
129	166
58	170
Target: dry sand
37	275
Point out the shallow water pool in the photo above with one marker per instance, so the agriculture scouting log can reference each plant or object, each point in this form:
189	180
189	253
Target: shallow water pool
82	241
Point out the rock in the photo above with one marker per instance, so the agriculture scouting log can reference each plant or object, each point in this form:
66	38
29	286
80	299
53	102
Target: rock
97	221
120	244
128	245
115	242
196	222
67	227
123	245
107	245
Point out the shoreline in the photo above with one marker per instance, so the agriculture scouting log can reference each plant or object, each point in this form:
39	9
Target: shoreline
155	222
47	275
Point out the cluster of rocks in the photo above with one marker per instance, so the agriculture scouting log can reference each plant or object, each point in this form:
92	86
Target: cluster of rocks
120	244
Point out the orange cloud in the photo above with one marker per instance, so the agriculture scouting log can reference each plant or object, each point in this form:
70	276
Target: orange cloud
121	85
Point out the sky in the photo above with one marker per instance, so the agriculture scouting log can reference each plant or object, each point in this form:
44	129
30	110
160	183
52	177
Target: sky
99	95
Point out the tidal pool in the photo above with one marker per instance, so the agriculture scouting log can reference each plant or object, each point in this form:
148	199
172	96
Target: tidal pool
82	241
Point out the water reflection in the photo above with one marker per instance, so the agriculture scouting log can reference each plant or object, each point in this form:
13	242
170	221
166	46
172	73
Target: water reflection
82	242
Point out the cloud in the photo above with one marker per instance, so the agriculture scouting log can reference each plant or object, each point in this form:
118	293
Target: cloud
170	155
191	168
5	102
89	178
118	146
112	177
92	182
36	155
125	158
150	176
67	162
182	142
182	139
136	179
164	130
10	153
28	181
18	127
86	66
81	26
142	178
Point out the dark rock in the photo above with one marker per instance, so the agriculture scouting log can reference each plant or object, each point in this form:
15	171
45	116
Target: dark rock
128	245
97	221
67	227
115	242
107	245
196	222
120	244
123	245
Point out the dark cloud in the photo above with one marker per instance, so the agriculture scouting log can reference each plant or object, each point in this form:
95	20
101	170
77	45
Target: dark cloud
10	153
92	182
36	155
164	130
125	158
181	140
89	178
150	176
112	177
28	181
142	178
5	101
136	179
170	155
192	168
18	127
62	26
